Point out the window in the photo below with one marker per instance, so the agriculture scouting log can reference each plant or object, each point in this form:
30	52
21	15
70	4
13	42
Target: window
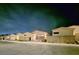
56	32
25	35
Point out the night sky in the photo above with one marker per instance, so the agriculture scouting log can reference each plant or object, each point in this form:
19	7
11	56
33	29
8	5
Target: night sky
29	17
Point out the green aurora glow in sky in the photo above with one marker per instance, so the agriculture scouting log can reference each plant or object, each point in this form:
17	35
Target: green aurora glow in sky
28	17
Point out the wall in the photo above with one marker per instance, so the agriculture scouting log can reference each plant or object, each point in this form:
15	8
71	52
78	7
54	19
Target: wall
77	37
61	39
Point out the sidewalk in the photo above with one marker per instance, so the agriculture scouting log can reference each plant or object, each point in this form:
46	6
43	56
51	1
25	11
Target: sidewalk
41	43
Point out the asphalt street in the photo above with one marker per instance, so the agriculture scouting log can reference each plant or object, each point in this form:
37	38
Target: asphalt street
37	48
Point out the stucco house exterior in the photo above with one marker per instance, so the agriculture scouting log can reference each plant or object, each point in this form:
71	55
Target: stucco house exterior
39	36
62	31
12	37
26	36
68	35
76	29
19	36
76	32
62	35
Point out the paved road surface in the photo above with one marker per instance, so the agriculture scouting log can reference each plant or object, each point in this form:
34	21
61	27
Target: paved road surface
37	49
